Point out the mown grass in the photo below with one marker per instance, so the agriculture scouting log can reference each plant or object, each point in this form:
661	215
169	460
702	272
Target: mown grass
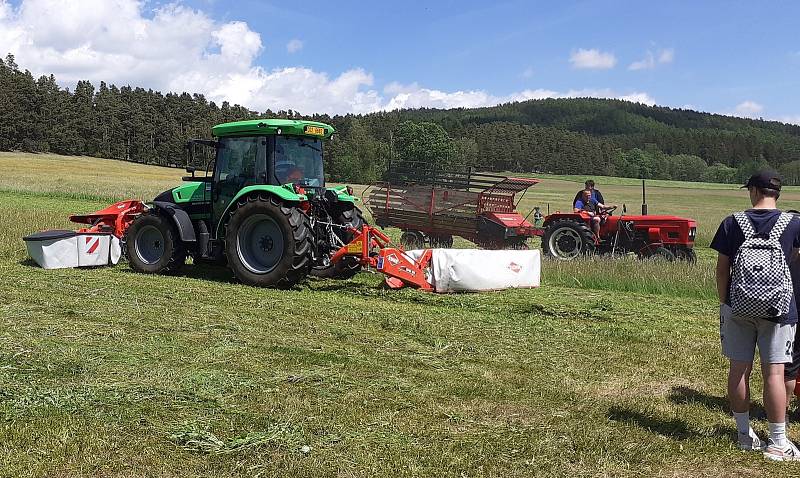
611	368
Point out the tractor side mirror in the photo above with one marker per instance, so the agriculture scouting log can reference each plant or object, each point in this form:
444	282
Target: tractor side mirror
624	208
191	170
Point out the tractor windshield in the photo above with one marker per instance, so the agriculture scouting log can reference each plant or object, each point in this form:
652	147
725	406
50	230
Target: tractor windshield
298	160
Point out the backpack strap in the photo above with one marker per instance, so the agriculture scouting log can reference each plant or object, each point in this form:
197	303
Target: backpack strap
744	224
780	225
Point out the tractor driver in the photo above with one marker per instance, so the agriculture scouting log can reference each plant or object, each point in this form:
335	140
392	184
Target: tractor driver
591	206
596	194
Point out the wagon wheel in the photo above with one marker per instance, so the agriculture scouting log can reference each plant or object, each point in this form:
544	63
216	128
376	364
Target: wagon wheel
411	239
444	241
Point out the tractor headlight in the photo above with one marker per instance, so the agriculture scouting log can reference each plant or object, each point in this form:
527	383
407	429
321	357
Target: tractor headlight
692	233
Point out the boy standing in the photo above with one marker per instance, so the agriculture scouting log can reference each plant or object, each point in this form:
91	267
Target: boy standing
771	328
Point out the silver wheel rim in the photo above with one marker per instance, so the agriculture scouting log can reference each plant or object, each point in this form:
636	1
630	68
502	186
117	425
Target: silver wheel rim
566	243
149	244
260	244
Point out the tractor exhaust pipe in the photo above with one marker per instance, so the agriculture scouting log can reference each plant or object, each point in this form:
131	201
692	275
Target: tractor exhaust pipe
644	199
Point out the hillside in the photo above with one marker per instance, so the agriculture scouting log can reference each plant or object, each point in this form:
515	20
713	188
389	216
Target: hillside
561	136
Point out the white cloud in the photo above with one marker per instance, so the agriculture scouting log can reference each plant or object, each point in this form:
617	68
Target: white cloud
414	96
592	59
748	109
650	59
176	48
666	55
294	45
791	119
528	72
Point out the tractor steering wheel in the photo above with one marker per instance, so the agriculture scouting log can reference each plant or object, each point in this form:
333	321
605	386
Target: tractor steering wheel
609	210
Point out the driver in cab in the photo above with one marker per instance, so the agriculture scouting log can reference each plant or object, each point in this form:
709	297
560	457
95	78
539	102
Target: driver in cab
594	208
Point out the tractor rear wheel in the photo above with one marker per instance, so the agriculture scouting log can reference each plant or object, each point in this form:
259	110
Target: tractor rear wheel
348	266
567	239
152	245
268	243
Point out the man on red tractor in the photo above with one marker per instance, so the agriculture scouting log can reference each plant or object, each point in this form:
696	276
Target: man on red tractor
596	194
593	207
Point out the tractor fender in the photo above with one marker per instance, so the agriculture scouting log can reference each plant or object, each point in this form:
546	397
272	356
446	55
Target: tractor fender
283	193
181	219
342	195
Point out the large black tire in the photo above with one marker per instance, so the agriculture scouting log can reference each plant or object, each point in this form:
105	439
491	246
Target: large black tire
519	244
659	254
687	255
411	239
567	239
152	245
348	266
444	241
268	243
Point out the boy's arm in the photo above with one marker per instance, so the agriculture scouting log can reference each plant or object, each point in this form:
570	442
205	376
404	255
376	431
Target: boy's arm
723	277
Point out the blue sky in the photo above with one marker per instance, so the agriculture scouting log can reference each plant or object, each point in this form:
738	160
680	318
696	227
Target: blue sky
729	57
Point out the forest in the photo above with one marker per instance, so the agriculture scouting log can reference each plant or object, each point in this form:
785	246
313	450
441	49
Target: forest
560	136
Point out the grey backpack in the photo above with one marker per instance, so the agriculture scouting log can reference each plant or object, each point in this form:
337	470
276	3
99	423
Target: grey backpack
761	284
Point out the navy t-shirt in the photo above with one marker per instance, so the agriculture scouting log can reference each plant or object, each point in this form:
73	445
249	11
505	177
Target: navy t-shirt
596	195
591	206
729	237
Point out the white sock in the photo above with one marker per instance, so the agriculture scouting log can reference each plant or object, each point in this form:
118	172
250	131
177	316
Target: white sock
742	422
777	434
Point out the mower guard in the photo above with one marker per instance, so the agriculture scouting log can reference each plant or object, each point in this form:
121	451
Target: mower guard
443	270
114	219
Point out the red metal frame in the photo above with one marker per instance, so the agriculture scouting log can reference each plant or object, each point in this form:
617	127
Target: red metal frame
115	219
495	202
373	249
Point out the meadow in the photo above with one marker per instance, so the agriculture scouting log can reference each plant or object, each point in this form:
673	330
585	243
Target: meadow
611	368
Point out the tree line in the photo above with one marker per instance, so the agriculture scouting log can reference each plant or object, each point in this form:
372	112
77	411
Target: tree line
560	136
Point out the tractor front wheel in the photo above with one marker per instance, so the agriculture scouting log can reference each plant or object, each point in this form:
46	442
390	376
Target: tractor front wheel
568	239
152	245
658	254
687	255
268	243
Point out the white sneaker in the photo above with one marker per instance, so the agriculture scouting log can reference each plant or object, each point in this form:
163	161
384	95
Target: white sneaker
750	442
787	453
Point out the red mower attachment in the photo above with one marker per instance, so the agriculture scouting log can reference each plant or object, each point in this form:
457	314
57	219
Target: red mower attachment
372	247
114	219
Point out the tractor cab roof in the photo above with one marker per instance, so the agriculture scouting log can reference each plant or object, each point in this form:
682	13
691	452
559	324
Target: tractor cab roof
259	127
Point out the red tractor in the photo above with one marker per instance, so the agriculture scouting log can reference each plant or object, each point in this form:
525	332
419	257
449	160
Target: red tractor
569	235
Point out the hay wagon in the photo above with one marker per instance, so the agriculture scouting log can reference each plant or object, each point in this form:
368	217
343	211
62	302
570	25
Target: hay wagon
430	207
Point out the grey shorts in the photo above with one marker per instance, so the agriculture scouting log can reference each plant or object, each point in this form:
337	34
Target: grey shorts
740	335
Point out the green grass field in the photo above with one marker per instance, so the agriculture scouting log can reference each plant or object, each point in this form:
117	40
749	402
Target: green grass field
611	368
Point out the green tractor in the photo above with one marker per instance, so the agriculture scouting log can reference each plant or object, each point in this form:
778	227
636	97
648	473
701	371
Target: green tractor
261	207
